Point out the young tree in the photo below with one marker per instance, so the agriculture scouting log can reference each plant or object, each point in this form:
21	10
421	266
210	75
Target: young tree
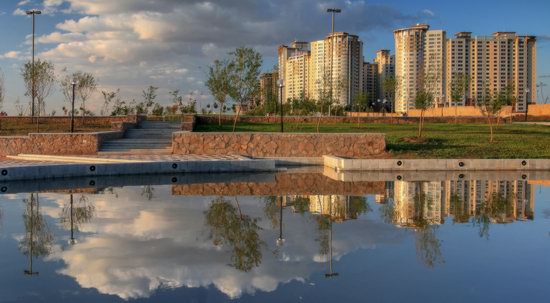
108	98
459	88
2	90
39	81
491	107
219	84
423	101
86	85
244	71
149	97
389	86
360	102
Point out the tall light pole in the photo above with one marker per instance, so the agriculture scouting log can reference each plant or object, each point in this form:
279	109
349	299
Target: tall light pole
526	103
33	13
281	84
72	106
333	12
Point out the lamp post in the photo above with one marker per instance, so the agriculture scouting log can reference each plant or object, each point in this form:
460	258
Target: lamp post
33	13
72	105
280	240
333	12
281	84
526	104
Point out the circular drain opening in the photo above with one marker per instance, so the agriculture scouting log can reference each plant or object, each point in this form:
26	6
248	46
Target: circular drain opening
4	172
92	183
524	177
3	189
174	180
175	165
399	163
524	163
92	168
461	164
461	176
399	178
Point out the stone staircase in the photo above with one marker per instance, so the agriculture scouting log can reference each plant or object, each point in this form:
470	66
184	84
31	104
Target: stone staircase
151	137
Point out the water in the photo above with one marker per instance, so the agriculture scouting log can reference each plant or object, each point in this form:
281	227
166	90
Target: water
291	237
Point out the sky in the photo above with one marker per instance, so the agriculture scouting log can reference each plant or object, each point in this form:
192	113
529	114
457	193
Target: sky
131	44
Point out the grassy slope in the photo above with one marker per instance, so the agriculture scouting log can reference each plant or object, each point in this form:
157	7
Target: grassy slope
443	140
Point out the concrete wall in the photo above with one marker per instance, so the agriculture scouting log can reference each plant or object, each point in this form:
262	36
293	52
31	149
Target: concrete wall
459	111
539	110
56	144
279	144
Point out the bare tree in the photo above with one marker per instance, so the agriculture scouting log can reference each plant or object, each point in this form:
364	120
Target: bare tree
86	85
108	98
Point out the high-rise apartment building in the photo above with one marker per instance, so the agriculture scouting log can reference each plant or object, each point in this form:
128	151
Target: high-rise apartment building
371	81
329	67
409	64
386	69
463	70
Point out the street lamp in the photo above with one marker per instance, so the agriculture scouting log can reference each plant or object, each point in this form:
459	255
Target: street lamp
333	12
33	13
281	84
526	104
73	83
280	240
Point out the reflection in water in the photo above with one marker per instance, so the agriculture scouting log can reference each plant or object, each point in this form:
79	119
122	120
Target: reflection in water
236	230
38	239
132	248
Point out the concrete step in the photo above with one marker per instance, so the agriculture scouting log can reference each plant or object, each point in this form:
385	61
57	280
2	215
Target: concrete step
160	125
118	147
158	151
140	141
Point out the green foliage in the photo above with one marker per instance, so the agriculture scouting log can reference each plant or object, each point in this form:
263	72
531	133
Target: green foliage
244	71
423	100
228	226
39	80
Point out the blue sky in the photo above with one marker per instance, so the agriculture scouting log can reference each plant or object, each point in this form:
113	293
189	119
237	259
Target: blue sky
130	44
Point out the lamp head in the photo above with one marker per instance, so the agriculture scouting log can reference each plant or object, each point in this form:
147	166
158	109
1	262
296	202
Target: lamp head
33	12
280	82
334	10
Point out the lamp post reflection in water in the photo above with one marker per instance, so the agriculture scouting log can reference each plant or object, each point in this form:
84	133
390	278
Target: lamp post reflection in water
330	273
280	240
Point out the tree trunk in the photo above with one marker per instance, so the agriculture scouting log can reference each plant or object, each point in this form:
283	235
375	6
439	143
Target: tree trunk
420	124
220	116
490	129
318	123
236	118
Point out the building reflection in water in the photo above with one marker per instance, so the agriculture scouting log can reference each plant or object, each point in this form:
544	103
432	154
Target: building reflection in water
192	244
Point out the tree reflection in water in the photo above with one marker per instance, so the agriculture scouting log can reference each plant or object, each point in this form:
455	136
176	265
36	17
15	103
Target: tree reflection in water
38	239
428	246
229	226
497	208
73	215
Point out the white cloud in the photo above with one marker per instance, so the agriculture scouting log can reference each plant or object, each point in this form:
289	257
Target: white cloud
19	12
428	12
11	55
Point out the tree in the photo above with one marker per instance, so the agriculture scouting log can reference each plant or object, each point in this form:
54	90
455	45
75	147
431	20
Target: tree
39	81
108	98
244	71
459	88
423	101
149	97
85	86
73	215
360	102
389	86
491	107
2	90
229	226
219	84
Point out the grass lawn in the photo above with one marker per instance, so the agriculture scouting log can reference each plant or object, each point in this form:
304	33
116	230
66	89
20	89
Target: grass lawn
10	128
442	140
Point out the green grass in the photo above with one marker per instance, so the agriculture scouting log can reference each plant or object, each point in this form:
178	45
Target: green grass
10	128
442	140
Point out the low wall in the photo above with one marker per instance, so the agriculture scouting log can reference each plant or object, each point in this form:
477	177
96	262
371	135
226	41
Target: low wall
279	144
226	119
79	121
56	144
456	111
539	110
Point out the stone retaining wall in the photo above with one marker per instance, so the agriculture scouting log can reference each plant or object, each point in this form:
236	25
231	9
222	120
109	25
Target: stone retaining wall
279	144
79	121
56	144
284	184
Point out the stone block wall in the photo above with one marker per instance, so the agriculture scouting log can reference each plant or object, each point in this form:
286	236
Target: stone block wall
79	121
56	144
279	144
